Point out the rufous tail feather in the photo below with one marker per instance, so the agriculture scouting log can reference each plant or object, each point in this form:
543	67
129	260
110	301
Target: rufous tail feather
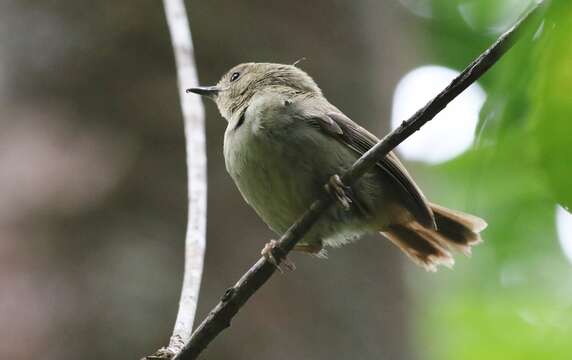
430	248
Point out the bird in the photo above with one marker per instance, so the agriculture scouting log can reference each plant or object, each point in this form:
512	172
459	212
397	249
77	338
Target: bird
284	140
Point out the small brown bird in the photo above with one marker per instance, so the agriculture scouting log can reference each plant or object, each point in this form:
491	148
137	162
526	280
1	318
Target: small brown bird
284	141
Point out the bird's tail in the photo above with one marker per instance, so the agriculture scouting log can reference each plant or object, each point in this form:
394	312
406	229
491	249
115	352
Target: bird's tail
431	247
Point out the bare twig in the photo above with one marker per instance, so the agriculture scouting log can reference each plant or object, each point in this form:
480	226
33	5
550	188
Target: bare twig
194	119
235	297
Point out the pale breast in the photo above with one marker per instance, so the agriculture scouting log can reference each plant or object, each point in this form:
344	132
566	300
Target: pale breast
273	176
280	165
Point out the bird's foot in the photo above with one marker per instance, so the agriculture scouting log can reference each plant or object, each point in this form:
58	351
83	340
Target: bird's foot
340	191
267	252
313	248
316	249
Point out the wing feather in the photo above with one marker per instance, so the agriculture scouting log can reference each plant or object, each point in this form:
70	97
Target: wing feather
360	140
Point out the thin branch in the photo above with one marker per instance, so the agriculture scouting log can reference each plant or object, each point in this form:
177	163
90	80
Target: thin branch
235	297
194	120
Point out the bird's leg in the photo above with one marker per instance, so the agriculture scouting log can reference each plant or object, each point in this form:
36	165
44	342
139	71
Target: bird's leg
267	252
340	191
313	248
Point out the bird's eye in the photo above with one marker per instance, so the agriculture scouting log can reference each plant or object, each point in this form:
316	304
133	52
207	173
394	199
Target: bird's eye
234	76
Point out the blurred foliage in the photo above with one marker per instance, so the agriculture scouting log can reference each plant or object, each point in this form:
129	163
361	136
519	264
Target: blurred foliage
552	107
515	299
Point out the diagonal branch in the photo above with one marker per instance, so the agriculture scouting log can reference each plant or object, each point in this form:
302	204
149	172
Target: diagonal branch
235	297
194	120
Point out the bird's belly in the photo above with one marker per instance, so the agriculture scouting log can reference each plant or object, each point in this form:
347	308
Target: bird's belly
281	176
278	188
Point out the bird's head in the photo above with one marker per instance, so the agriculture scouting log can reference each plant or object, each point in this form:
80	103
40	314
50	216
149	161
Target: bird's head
238	86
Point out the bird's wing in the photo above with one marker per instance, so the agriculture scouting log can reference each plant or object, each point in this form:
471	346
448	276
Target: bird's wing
334	123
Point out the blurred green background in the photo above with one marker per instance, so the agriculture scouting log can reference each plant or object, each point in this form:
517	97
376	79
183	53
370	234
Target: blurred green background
514	299
93	199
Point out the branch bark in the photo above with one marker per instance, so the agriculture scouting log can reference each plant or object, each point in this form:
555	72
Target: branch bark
194	122
235	297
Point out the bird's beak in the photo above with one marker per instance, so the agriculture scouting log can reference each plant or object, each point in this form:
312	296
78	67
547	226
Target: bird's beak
209	91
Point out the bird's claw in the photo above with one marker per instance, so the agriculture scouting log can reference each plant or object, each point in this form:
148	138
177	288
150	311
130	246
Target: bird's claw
340	191
267	252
